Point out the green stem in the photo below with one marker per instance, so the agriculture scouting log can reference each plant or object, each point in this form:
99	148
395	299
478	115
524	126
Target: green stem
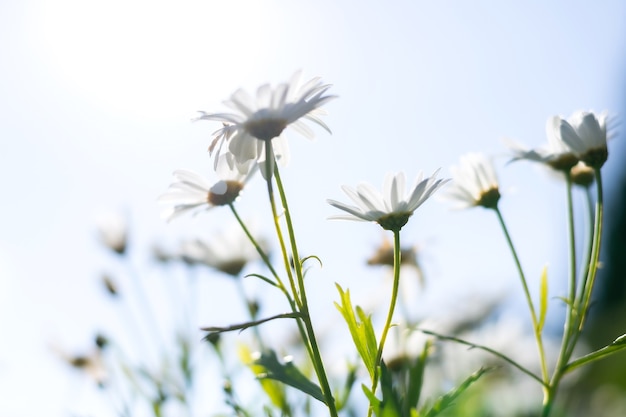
316	357
529	301
259	249
595	251
392	305
279	282
571	311
269	163
570	335
588	247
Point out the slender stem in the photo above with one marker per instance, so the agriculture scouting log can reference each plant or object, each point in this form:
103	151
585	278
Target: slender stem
269	163
279	282
595	250
588	247
397	260
570	335
257	246
316	357
583	272
529	301
571	309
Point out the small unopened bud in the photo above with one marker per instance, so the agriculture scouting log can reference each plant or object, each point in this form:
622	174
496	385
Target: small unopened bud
101	341
254	307
110	286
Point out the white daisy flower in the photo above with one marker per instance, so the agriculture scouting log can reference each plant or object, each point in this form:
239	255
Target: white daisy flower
192	191
392	208
256	122
474	182
555	154
585	134
228	251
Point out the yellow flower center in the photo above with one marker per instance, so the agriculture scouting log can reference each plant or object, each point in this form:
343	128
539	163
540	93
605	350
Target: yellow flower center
224	192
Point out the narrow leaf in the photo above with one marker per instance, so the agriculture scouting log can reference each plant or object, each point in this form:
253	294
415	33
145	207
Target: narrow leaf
543	300
448	399
617	345
288	374
416	377
362	330
274	390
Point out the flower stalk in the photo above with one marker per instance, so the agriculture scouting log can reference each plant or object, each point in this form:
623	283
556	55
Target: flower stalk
397	262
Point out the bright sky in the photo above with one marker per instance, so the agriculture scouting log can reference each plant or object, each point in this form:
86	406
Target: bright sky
97	98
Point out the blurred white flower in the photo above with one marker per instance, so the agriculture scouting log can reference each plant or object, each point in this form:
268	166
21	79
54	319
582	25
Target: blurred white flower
585	134
556	153
113	231
474	182
259	121
228	251
392	208
191	191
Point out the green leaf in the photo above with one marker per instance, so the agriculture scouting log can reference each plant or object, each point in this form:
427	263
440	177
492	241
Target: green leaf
617	345
486	349
342	397
288	374
274	390
361	330
375	403
392	400
416	378
543	300
263	278
448	399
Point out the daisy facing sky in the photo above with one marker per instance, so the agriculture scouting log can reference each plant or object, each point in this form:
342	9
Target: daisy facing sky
474	182
581	137
257	121
585	134
191	191
392	208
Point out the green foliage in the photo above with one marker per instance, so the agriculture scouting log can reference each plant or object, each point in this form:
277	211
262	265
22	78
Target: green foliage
616	346
286	373
448	399
275	391
361	329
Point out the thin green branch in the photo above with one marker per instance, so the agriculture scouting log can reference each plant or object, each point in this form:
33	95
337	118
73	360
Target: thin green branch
486	349
529	301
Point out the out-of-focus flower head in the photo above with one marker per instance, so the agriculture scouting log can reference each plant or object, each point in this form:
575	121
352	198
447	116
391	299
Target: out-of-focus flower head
384	255
392	208
228	251
258	122
113	231
192	192
585	134
474	182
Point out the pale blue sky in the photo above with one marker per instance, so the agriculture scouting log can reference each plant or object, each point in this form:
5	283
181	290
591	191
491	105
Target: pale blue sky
97	99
